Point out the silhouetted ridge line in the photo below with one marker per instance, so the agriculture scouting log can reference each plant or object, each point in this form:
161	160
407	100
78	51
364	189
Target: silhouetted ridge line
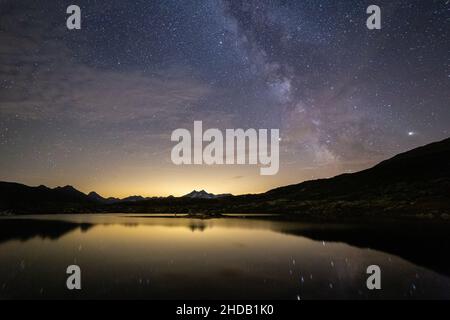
411	184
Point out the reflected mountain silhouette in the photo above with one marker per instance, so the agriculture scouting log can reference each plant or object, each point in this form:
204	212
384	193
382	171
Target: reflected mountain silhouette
26	229
197	226
426	244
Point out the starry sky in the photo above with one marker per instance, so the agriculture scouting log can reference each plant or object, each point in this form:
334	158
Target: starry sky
95	108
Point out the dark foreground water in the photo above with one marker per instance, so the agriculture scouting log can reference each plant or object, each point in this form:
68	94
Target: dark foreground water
228	258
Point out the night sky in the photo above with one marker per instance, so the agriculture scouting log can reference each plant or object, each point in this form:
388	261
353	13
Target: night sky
95	108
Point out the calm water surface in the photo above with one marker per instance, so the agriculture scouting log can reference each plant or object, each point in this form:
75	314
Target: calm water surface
138	256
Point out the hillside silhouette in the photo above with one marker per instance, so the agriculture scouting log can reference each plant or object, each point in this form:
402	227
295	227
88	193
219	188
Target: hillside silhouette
412	184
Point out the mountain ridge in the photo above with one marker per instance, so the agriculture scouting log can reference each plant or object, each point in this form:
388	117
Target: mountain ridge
412	183
202	194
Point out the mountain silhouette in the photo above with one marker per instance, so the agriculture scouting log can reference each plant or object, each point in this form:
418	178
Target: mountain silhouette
96	197
418	179
133	198
25	229
428	165
17	197
412	184
202	194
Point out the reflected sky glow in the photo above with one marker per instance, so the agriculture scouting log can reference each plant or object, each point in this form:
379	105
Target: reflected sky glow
218	258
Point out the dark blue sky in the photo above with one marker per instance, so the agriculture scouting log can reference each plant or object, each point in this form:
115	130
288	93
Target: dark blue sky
95	107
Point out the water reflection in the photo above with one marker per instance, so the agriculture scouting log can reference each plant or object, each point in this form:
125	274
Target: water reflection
26	229
158	258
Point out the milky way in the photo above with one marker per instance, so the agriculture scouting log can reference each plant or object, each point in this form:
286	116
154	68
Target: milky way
95	107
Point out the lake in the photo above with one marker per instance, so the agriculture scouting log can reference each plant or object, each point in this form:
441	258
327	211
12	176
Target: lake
146	257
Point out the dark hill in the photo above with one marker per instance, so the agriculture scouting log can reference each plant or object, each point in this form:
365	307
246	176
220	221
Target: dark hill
202	194
412	184
15	197
427	166
417	181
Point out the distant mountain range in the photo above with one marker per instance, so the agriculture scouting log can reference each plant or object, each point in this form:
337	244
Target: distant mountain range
202	194
96	197
412	184
19	198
